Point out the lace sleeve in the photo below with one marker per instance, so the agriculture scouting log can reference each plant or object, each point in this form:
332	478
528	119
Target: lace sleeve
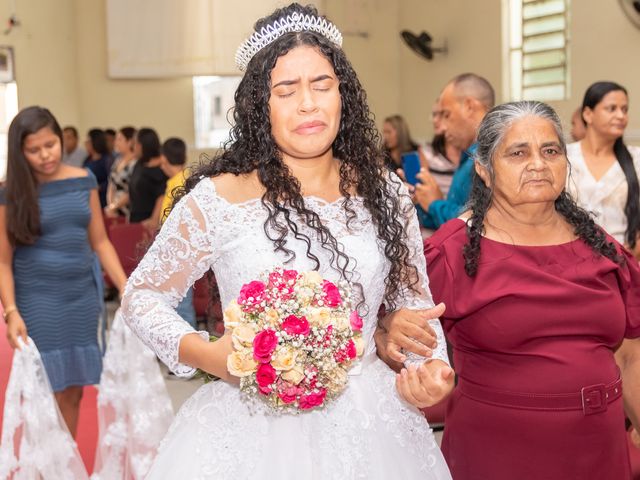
421	298
181	254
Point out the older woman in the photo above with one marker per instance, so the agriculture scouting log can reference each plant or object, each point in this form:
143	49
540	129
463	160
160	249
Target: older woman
539	301
604	177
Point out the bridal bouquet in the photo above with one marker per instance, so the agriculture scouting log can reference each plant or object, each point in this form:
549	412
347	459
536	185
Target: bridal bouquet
294	338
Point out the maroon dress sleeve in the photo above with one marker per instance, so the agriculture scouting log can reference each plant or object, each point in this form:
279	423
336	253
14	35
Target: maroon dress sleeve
439	249
630	287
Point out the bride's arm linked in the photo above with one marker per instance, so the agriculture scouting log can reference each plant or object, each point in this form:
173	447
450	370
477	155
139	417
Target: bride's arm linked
428	377
181	253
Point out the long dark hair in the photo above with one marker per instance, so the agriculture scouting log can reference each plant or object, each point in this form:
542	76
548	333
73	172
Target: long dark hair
23	211
404	140
490	134
592	97
150	143
253	148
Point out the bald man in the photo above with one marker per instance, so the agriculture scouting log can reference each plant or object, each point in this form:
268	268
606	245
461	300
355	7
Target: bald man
464	101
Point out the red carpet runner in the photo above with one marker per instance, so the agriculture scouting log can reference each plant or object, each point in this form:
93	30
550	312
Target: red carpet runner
88	422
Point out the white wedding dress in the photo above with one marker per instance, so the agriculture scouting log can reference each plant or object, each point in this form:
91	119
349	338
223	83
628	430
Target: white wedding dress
368	432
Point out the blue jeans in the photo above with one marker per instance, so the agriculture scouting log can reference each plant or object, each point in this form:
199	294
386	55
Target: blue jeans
185	308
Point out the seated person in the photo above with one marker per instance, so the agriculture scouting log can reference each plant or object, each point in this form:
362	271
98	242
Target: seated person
464	102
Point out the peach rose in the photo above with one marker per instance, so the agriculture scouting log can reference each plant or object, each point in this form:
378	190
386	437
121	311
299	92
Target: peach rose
232	314
359	343
319	317
284	359
312	278
241	363
272	317
294	376
337	379
242	336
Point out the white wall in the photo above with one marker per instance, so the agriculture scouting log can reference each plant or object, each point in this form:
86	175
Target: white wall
61	58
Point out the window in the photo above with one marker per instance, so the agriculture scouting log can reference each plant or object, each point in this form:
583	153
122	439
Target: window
212	104
538	49
8	110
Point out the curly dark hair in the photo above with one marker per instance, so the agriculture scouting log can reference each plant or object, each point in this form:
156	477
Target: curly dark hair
490	134
253	148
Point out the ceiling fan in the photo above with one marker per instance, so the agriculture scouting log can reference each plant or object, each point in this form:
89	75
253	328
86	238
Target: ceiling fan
421	44
631	9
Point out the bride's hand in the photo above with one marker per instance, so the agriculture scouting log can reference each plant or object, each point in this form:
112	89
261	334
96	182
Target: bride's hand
426	385
406	328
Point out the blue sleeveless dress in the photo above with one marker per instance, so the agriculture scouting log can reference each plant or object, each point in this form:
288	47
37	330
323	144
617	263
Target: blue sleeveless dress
56	286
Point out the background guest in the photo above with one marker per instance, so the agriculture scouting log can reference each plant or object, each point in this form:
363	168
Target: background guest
604	176
74	154
147	183
111	134
118	188
578	129
440	157
98	161
396	140
464	101
51	230
174	162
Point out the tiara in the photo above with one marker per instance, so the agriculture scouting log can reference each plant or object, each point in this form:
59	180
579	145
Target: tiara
295	22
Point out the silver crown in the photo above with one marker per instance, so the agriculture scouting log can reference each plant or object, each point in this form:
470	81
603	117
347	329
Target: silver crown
295	22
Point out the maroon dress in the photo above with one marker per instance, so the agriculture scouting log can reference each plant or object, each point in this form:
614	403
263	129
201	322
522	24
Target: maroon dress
533	328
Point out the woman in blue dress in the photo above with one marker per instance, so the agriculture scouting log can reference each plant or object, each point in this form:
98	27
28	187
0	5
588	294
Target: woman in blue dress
51	231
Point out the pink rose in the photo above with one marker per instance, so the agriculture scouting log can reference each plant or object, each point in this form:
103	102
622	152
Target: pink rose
264	344
265	375
356	321
287	392
331	294
290	275
296	325
265	390
252	293
351	349
346	353
312	400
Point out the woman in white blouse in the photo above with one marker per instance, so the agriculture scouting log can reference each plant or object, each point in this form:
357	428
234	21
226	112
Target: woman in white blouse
604	171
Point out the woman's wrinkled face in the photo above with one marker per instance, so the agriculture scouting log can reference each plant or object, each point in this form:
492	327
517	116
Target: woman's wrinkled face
43	152
610	116
529	165
305	103
389	136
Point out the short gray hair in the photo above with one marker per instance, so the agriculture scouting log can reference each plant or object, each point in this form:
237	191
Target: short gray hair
498	120
474	86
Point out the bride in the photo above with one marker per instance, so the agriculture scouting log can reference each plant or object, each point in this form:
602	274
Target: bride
301	184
